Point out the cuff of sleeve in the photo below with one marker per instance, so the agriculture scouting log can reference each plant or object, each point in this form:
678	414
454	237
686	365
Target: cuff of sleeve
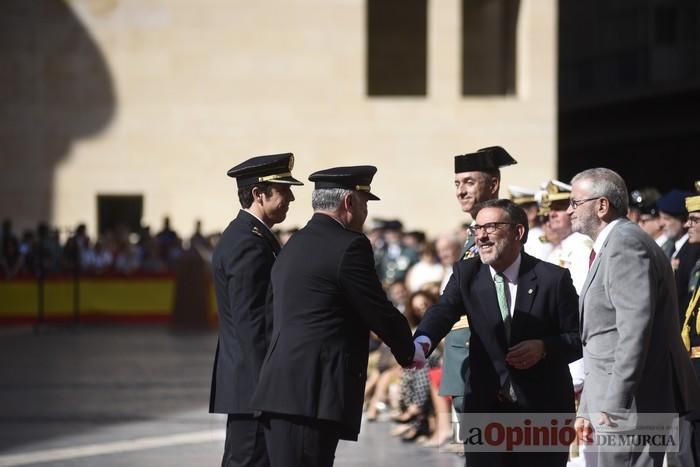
424	340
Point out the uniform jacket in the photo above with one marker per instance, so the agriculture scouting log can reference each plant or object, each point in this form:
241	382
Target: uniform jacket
327	297
687	256
455	360
241	266
545	308
633	355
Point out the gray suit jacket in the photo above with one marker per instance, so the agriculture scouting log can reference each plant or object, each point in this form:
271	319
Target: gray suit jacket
633	355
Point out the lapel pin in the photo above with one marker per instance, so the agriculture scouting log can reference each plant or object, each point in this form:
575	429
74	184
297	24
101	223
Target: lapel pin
529	292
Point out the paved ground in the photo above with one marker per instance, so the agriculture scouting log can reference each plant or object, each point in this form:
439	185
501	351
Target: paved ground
133	396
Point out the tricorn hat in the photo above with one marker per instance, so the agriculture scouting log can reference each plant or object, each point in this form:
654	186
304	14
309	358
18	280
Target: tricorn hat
483	160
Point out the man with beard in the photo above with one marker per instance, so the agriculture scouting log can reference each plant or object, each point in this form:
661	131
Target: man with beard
477	179
571	249
633	355
241	266
524	328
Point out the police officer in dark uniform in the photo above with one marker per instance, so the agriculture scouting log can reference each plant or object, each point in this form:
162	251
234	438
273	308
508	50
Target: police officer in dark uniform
477	179
241	267
327	300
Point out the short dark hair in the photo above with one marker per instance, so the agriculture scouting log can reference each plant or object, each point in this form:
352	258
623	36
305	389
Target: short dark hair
245	194
514	213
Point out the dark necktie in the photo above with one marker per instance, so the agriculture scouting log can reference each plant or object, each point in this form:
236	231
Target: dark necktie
591	258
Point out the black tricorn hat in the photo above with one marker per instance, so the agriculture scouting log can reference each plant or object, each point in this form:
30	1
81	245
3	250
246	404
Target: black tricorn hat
356	177
275	168
484	159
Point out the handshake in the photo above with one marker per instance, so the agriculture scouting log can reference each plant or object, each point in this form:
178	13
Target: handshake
422	346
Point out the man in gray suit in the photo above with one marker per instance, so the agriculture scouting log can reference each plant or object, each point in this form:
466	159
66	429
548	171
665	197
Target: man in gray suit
634	359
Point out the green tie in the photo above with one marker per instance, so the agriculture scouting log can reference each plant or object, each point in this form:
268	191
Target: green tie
503	302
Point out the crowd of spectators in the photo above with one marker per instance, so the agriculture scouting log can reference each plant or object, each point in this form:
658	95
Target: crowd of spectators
46	251
414	269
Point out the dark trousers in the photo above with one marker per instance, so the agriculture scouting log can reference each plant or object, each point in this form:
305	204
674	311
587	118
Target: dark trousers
513	459
245	443
299	441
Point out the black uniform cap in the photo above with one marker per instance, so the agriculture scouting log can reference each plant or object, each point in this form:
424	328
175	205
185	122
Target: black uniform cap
275	168
645	200
357	178
485	159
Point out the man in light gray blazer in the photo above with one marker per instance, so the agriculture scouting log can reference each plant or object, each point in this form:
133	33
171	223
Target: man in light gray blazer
634	360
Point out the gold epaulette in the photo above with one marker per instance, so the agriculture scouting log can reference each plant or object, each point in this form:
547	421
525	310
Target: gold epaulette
462	323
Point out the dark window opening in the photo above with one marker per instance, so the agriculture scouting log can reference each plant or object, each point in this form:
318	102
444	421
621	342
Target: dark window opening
397	47
115	211
489	46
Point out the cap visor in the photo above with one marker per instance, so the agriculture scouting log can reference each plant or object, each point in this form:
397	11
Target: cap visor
286	180
372	196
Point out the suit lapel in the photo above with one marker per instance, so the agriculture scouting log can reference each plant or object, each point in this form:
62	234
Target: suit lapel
485	292
488	320
594	270
527	289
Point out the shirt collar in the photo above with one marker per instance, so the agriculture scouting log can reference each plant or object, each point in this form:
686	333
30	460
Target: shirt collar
603	235
681	241
511	272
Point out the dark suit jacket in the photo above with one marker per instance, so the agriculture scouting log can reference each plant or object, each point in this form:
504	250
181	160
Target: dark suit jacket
241	266
327	297
545	308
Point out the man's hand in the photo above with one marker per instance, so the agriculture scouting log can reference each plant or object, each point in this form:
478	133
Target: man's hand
606	420
421	348
525	354
584	430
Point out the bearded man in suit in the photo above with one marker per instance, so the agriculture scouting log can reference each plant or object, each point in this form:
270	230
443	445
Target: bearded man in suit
524	328
633	355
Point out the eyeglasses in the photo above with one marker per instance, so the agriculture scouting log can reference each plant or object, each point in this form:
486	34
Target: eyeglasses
575	203
692	220
489	228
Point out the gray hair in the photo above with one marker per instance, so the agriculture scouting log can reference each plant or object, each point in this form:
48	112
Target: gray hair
328	199
606	183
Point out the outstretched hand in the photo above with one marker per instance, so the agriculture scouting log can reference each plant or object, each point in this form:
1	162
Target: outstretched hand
419	358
